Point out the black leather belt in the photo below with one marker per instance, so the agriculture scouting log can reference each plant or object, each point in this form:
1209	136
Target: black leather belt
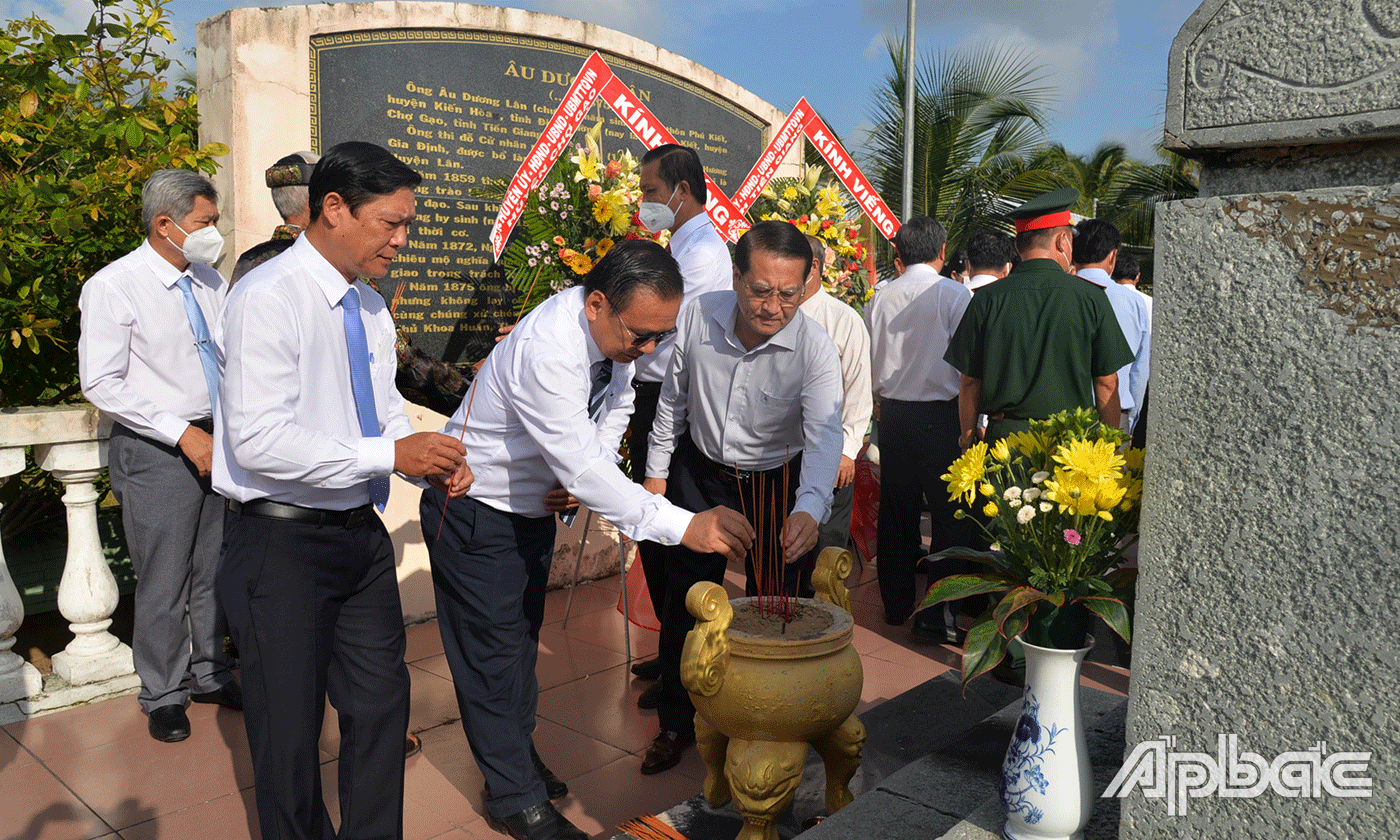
268	509
206	424
646	387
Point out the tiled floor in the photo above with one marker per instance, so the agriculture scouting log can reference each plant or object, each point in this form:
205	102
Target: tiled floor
93	772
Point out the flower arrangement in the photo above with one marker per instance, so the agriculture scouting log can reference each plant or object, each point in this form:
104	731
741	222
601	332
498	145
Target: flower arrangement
581	209
822	212
1060	505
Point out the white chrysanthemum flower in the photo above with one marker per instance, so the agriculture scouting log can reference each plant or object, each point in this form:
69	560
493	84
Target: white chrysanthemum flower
1025	514
1011	493
1046	507
1031	494
1014	503
1039	477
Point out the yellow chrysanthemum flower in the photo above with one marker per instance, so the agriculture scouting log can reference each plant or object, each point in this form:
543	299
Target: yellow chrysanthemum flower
965	473
1001	451
604	246
1132	459
1027	443
990	510
580	263
790	193
986	489
1093	459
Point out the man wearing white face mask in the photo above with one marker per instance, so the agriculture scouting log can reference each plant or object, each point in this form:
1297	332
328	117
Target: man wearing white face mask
146	358
673	199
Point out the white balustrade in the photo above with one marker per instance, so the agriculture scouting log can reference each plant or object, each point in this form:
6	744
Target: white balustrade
70	442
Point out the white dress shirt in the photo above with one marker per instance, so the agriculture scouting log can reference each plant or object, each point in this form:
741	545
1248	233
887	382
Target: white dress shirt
977	281
1136	323
847	331
528	430
705	267
1146	299
911	321
752	409
137	359
286	427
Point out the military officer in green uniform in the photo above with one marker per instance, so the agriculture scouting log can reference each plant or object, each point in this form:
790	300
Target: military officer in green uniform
1040	340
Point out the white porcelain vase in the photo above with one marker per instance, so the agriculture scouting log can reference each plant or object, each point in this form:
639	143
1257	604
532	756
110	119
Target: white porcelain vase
1046	782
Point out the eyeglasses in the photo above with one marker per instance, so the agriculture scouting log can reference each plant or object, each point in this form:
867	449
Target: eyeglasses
642	339
787	297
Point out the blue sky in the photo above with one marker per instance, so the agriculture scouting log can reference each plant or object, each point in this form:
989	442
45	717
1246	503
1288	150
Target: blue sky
1106	60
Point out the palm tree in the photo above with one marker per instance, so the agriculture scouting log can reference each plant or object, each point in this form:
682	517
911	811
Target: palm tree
978	117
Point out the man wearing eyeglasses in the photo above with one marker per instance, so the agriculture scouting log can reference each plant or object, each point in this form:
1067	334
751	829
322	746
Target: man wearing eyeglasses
749	418
542	423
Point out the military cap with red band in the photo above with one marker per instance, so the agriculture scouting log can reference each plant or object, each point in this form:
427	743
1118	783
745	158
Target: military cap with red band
1045	211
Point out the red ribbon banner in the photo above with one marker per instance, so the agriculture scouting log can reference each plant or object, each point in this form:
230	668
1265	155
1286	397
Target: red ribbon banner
804	121
596	79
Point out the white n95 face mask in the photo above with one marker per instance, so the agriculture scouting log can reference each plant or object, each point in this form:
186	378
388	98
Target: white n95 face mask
203	246
657	216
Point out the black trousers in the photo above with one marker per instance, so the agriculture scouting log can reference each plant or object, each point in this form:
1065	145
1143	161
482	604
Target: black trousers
918	443
315	613
490	569
697	483
652	555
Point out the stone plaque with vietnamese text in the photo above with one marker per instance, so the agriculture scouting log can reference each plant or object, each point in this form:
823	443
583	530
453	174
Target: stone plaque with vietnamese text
463	105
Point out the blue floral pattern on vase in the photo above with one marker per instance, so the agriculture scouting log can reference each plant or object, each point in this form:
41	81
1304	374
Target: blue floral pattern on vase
1020	772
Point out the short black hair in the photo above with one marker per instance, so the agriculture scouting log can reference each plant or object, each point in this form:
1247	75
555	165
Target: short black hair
781	239
920	240
634	264
679	163
1127	266
1038	238
988	249
818	252
358	172
1095	240
957	262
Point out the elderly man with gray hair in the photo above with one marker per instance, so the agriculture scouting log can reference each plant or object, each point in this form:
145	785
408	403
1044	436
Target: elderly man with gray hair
288	179
146	358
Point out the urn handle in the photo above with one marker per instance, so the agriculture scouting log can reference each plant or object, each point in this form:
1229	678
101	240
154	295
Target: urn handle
829	577
706	654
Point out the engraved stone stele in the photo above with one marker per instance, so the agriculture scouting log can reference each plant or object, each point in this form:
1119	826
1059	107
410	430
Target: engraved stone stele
1267	595
1267	72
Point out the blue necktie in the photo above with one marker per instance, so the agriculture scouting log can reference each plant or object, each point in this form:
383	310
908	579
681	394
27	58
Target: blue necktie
362	385
202	342
595	410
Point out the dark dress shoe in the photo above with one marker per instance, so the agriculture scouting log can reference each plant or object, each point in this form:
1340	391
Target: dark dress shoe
929	629
665	752
169	723
228	695
538	822
651	698
412	745
553	785
649	669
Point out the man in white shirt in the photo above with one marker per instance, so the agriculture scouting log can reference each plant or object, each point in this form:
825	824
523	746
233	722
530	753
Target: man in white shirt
308	428
1096	245
1128	272
547	409
990	255
145	359
750	417
847	331
673	198
910	321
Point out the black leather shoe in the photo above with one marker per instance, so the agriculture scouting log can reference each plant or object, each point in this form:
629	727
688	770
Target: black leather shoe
895	620
928	628
554	786
169	723
651	698
665	752
649	669
538	822
228	695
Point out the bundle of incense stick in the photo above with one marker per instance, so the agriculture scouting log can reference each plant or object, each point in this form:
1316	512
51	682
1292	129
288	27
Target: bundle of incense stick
647	827
769	515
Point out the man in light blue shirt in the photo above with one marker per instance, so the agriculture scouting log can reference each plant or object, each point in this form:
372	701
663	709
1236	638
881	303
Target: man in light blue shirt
1096	244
